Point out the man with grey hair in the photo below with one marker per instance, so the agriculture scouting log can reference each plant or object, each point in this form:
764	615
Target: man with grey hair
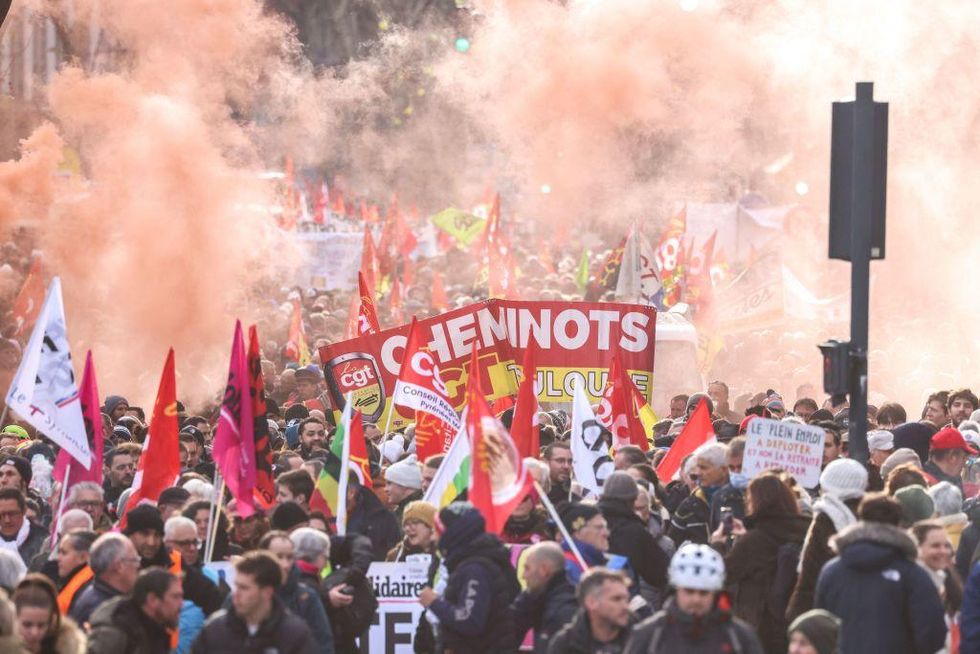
312	547
44	560
90	498
180	535
691	520
548	603
115	566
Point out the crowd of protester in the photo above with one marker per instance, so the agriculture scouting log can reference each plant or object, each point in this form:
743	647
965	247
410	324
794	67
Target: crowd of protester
879	557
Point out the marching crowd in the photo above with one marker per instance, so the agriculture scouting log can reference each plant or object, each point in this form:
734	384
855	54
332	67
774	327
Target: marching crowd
879	557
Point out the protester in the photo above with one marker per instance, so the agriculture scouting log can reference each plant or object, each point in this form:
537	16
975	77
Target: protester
367	516
603	621
40	626
693	619
142	623
473	611
948	451
17	532
558	456
72	569
418	524
115	567
886	601
731	495
692	518
548	603
628	535
403	484
814	632
257	621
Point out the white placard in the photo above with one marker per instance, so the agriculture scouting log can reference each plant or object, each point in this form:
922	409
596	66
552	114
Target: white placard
333	259
797	449
397	586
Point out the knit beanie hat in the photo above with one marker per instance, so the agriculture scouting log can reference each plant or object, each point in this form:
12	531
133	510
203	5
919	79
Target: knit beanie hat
897	458
620	486
144	517
22	465
844	479
575	514
422	511
916	503
288	515
112	401
820	628
405	473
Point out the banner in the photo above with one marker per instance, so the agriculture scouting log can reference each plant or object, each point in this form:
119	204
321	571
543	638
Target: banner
397	586
332	259
574	342
797	449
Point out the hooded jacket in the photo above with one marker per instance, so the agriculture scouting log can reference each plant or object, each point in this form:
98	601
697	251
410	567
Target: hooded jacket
474	611
885	600
672	630
629	537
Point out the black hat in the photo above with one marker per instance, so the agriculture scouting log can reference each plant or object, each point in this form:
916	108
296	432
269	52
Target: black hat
575	515
175	495
288	515
23	467
143	518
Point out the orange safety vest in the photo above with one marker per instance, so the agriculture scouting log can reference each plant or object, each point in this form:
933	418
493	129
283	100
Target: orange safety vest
175	569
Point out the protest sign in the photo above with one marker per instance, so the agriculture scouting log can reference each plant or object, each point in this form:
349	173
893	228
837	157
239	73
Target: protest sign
332	259
574	343
397	586
795	448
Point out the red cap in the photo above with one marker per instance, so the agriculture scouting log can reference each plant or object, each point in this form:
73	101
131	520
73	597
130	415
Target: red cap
950	438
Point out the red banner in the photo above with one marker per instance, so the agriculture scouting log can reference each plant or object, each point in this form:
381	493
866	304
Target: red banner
572	341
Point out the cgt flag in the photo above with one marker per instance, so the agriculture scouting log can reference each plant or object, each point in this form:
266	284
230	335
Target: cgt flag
234	442
590	443
43	390
618	409
420	387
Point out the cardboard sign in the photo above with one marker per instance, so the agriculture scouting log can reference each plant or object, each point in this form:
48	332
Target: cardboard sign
574	343
397	586
333	259
797	449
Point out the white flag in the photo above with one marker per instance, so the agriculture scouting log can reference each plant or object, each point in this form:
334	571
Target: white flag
43	391
590	444
638	280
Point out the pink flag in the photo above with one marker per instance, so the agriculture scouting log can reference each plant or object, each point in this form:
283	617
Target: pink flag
92	415
234	443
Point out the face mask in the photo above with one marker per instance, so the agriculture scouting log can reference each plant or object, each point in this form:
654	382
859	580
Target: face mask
738	480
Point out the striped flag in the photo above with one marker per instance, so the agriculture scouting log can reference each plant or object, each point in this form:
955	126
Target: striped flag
453	475
348	452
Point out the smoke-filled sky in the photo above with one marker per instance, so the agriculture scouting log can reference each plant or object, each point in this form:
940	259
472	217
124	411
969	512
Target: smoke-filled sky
622	107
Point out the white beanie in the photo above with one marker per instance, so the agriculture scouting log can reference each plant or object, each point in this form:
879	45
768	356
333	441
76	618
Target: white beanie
394	448
405	473
844	479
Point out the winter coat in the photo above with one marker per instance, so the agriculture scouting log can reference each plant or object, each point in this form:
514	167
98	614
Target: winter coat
95	595
671	630
36	535
750	568
816	550
727	497
933	470
628	536
546	611
191	622
576	637
970	613
969	538
120	627
400	508
592	556
691	520
887	603
474	611
281	632
197	588
532	529
370	518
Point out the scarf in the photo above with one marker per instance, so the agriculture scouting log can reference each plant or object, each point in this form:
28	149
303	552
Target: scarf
14	545
836	510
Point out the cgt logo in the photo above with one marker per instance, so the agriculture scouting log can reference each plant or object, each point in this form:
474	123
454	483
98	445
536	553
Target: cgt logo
357	377
424	365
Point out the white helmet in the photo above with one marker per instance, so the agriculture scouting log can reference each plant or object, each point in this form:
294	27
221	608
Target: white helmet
697	567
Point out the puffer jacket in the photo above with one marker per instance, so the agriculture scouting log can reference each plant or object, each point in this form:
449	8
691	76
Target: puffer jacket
887	603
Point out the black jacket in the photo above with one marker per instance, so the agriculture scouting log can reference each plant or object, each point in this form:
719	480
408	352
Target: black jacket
730	497
671	630
36	535
690	522
281	632
88	600
370	518
119	627
629	537
969	539
935	471
888	604
474	611
546	611
576	637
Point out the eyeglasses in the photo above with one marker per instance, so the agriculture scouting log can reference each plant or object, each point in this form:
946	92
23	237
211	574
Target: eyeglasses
132	560
196	542
94	504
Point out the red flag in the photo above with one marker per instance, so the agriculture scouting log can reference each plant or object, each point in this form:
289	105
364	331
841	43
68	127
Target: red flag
501	404
670	257
234	443
607	276
696	433
498	479
91	413
617	409
265	486
524	428
369	262
353	317
439	301
395	301
159	466
30	299
358	450
296	349
367	316
408	272
420	387
321	203
498	264
698	274
337	207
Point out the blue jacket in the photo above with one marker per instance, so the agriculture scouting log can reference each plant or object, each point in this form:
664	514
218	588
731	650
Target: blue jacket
970	614
887	603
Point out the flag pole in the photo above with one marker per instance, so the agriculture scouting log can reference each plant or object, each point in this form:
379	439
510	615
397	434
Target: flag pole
61	506
213	517
384	438
6	410
561	526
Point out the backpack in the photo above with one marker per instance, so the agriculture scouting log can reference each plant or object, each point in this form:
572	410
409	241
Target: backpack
784	579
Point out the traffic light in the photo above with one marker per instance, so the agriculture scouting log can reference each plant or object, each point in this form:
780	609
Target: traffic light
836	364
